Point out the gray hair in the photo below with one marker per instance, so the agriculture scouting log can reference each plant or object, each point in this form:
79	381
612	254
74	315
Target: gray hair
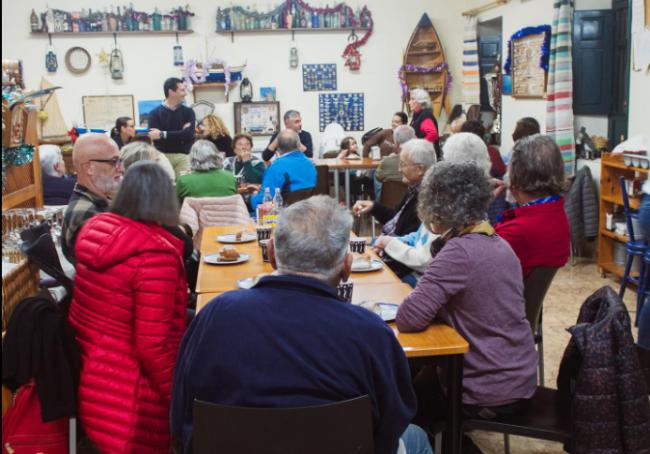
403	133
204	156
288	140
422	97
290	114
420	152
312	237
50	156
147	194
467	147
454	195
536	166
137	151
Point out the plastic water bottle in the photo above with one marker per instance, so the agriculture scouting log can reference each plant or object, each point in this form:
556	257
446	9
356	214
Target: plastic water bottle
278	202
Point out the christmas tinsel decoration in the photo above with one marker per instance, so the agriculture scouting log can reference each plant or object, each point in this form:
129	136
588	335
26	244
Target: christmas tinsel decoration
546	46
16	156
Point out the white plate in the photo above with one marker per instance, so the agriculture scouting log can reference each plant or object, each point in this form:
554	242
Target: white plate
362	267
213	259
387	311
247	237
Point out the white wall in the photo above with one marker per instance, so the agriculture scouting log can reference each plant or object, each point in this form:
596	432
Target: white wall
639	120
148	60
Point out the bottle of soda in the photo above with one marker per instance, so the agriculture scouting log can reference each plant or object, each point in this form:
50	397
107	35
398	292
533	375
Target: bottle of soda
267	207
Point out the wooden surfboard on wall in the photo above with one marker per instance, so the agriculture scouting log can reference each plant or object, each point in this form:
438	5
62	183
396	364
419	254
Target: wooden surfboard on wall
425	51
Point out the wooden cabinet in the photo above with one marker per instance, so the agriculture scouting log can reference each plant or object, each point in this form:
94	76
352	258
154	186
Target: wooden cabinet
611	201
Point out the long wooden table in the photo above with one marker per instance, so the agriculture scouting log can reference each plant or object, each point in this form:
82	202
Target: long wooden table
347	165
436	342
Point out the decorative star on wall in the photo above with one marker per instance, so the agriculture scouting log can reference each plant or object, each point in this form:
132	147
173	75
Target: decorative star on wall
103	57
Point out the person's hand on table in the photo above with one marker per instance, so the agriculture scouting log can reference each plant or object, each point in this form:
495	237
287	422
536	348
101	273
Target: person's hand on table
380	244
362	206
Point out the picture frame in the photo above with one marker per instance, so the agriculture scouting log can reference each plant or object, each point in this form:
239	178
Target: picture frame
102	111
145	106
528	78
260	118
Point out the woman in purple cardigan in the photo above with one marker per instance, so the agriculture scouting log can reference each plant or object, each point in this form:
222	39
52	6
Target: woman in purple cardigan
474	284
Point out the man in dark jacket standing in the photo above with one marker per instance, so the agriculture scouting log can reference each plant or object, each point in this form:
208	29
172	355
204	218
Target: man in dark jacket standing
171	126
290	341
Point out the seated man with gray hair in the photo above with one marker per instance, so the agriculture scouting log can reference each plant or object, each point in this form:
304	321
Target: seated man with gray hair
290	172
57	187
289	341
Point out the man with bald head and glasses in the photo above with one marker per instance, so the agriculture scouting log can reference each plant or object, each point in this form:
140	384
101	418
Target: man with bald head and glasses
96	161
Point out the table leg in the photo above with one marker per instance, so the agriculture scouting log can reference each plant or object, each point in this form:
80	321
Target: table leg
336	185
455	396
347	188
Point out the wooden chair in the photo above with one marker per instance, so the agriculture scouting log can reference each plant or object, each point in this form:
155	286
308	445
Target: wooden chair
392	193
341	427
535	287
297	196
322	180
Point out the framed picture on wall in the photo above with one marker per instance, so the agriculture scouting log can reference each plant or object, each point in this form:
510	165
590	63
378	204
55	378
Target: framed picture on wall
102	111
527	74
260	118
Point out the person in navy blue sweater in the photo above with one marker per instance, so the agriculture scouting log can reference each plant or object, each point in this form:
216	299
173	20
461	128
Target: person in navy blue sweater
57	187
291	164
293	121
289	341
172	125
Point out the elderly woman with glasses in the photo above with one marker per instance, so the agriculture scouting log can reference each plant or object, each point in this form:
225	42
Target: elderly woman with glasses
128	313
474	284
208	179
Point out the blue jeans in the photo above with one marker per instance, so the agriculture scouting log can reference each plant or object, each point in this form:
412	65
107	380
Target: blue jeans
415	440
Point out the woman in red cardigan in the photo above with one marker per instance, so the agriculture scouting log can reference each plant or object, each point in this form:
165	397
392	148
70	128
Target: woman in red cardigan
538	230
129	311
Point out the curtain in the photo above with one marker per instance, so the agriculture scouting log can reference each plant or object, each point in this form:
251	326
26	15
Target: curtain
471	80
559	107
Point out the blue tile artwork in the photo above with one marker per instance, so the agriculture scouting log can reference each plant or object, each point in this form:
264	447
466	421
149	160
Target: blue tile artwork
320	77
345	109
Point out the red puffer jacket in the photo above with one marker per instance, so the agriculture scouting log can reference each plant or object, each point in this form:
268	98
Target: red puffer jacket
129	312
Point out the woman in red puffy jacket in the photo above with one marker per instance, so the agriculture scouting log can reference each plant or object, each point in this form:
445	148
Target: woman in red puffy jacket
129	310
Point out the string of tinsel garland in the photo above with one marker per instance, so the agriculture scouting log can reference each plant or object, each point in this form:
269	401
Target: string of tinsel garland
195	76
255	14
352	47
15	156
546	46
423	69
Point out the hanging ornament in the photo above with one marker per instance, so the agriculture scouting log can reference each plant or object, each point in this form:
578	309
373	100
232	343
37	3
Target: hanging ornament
353	60
51	63
293	57
116	64
103	57
178	53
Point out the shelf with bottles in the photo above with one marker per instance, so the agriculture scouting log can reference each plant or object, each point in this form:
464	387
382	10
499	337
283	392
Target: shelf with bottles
122	20
292	15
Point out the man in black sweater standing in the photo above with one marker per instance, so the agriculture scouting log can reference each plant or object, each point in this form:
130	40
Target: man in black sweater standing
171	126
292	121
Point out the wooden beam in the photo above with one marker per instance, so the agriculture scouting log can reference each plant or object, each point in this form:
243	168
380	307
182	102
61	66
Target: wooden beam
481	9
18	197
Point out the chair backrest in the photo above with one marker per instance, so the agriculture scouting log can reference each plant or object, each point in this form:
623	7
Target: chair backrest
341	427
535	287
629	214
297	196
331	138
322	180
199	212
392	193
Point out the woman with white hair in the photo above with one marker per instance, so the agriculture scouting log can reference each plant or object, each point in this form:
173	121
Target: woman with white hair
423	121
142	151
208	179
57	188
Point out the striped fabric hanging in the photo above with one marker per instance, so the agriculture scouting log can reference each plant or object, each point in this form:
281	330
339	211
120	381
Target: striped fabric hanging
559	106
471	80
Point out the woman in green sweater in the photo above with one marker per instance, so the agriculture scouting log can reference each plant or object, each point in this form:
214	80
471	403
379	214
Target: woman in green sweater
208	179
244	163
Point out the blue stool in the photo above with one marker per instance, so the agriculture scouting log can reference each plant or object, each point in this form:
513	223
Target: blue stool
634	248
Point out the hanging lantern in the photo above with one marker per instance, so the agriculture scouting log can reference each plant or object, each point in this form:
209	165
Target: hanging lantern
51	63
178	53
116	64
246	90
293	57
353	60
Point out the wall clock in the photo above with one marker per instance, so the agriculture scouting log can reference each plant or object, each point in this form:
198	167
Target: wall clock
77	60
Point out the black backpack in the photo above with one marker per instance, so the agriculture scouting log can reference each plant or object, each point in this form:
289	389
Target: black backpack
369	134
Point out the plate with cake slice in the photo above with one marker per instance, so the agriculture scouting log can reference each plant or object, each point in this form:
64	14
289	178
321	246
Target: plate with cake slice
364	263
227	255
239	237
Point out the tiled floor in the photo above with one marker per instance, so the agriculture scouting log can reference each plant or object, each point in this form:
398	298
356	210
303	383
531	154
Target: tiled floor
571	286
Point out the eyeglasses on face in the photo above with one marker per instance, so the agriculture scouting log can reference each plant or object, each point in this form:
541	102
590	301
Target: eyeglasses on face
402	165
115	162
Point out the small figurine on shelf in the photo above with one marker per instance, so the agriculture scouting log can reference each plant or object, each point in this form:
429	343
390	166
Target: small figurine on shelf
33	22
